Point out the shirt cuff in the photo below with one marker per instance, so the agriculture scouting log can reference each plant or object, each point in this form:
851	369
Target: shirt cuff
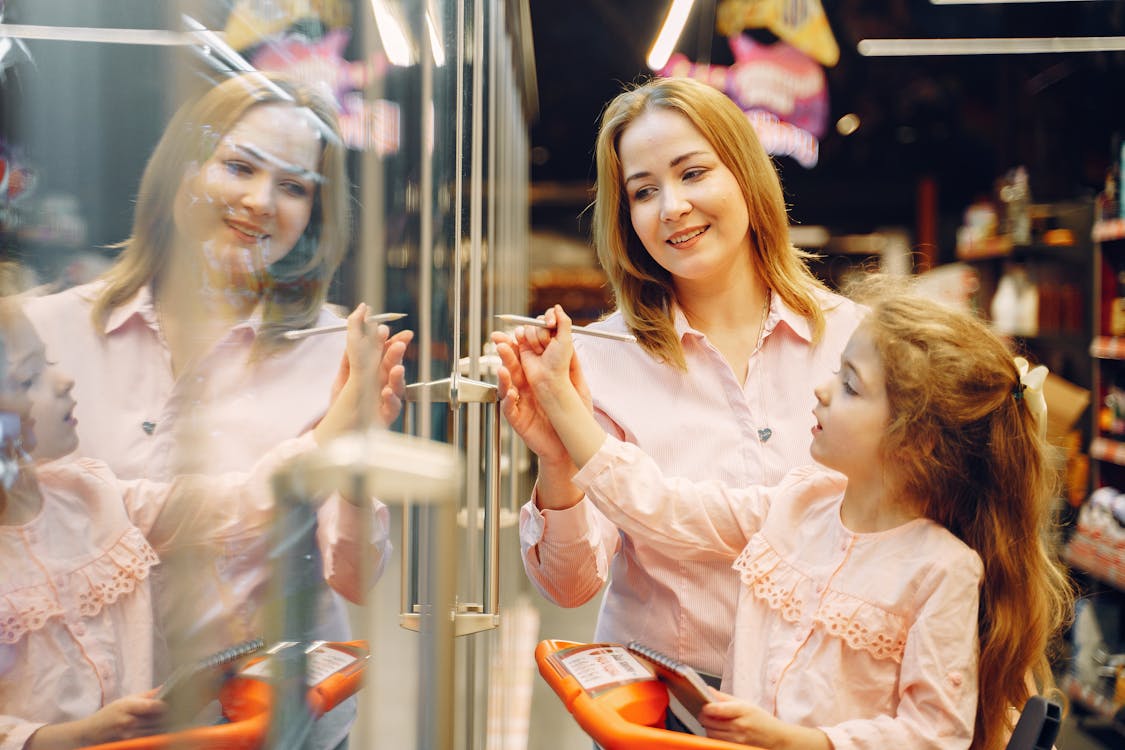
544	525
15	737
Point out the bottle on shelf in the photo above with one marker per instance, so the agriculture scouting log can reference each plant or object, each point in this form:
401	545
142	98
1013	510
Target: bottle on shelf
1016	195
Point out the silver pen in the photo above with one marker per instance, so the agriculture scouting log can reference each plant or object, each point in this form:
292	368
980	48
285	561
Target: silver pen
303	333
524	320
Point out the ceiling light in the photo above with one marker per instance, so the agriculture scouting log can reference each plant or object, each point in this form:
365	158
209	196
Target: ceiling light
153	37
1001	46
998	2
669	34
847	124
394	40
436	48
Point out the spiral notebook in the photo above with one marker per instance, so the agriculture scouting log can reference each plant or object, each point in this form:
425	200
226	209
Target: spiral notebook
682	681
196	684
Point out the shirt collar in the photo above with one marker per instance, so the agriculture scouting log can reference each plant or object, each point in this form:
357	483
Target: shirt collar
143	305
779	313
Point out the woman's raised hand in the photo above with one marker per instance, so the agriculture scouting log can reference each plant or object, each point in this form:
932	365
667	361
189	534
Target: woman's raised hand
538	359
390	377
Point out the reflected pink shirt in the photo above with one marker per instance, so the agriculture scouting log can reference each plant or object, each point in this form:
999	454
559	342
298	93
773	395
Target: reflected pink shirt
870	637
222	414
75	596
698	424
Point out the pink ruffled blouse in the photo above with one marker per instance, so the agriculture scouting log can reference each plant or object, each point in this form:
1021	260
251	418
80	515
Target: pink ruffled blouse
870	637
76	625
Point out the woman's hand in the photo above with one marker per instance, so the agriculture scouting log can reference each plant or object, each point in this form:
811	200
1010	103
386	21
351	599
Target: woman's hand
392	374
365	346
132	716
520	357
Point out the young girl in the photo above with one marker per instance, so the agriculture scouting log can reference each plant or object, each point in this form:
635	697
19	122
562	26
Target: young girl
885	590
77	546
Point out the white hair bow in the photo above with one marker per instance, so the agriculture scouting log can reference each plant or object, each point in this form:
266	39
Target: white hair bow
1031	391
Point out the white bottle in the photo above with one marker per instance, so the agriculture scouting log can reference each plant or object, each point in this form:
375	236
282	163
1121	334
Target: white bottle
1005	307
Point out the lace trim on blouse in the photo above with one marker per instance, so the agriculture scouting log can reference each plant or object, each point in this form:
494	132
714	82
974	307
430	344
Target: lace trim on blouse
80	592
781	587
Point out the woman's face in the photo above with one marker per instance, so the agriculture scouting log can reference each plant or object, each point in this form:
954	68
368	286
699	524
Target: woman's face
249	203
685	205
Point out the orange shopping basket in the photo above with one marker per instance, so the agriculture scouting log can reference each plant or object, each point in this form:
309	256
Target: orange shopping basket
614	697
246	697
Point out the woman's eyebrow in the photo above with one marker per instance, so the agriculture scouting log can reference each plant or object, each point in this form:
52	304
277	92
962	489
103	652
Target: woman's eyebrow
674	162
267	158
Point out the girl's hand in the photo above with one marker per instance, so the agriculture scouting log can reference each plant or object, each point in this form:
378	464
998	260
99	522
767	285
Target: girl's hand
727	718
132	716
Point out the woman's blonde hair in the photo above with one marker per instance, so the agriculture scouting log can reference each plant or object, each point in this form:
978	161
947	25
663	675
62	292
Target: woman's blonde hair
643	290
968	450
297	286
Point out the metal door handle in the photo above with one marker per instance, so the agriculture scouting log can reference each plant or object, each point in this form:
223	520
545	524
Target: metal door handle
471	617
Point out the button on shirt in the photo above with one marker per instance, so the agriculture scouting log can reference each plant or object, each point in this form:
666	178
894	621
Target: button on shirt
698	424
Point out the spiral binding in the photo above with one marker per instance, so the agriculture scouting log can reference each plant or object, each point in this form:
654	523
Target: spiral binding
653	655
217	659
235	652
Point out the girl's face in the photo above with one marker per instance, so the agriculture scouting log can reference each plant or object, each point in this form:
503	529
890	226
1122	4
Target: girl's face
249	203
38	392
686	206
23	365
852	413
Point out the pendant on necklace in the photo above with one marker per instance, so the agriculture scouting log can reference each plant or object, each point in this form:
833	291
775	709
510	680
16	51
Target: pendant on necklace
764	434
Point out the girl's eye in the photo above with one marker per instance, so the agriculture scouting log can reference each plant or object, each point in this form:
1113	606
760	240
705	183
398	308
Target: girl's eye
694	173
28	384
849	390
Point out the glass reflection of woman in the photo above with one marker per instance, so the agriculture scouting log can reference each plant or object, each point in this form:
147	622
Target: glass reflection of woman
241	220
733	333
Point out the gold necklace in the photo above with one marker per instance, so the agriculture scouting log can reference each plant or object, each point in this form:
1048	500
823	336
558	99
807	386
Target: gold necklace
764	433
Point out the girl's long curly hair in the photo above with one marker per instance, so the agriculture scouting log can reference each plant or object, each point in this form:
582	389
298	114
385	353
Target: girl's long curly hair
968	449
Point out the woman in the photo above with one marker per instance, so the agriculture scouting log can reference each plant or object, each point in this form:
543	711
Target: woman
241	220
733	332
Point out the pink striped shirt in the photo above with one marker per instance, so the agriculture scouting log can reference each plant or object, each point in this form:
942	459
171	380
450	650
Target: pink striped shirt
698	424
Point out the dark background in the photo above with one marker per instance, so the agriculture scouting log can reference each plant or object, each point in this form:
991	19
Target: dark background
963	121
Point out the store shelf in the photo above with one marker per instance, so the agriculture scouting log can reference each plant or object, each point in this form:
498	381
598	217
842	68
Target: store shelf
1108	347
1091	700
999	248
1107	449
1095	560
1107	231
